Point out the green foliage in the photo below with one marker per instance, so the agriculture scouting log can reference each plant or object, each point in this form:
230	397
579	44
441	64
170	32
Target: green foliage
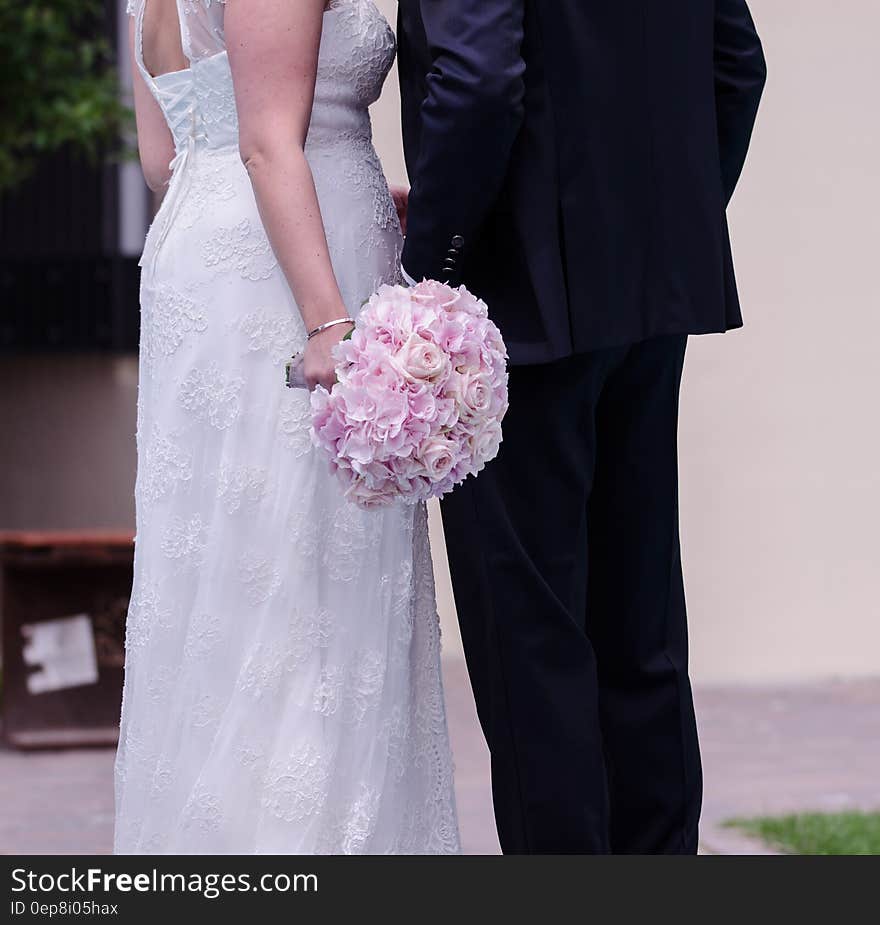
818	833
57	83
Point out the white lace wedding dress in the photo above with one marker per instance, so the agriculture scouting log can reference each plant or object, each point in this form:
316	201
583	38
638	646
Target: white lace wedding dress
282	687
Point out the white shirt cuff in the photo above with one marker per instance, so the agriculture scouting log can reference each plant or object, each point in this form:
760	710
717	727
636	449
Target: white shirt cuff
407	278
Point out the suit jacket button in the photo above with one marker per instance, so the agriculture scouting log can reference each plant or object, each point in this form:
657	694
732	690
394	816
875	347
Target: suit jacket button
458	242
449	264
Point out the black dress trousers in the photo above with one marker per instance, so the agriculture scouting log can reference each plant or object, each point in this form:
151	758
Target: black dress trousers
567	573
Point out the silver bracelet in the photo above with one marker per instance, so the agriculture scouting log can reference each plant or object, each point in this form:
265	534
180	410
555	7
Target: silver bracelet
328	324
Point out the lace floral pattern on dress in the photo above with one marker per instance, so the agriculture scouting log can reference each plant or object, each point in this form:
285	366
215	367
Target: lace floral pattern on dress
203	811
349	829
146	612
243	248
165	464
212	396
239	486
186	540
172	317
307	632
297	787
210	185
203	633
259	577
295	422
279	335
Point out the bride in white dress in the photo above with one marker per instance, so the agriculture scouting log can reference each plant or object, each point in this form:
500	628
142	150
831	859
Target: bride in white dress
282	689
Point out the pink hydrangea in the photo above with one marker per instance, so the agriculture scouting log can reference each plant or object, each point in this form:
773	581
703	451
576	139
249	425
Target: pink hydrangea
420	396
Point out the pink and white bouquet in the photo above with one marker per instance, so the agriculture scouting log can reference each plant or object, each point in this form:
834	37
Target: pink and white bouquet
420	396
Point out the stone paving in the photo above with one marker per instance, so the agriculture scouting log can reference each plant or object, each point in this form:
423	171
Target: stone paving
764	751
784	750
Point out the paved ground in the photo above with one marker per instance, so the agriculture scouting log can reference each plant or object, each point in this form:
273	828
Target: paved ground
764	751
770	752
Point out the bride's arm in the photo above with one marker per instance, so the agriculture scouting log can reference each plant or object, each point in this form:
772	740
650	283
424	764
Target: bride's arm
273	52
155	144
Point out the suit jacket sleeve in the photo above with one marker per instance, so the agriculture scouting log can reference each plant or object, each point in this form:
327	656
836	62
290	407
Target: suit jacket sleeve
470	118
740	74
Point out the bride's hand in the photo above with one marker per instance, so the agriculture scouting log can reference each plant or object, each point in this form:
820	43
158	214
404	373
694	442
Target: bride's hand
400	195
319	367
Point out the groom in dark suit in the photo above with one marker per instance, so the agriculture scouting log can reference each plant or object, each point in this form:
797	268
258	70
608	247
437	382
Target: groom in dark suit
571	162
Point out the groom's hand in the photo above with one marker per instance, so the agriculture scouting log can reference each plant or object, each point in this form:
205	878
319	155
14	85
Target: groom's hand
400	195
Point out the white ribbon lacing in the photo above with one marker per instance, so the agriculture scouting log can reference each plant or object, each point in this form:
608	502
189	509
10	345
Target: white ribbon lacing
176	187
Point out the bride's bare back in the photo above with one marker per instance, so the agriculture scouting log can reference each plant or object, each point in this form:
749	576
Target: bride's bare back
162	46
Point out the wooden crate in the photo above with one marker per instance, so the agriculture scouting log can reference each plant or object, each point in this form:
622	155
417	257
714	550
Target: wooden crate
73	590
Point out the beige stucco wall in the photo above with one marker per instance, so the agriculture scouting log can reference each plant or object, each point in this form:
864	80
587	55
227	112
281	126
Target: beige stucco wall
779	436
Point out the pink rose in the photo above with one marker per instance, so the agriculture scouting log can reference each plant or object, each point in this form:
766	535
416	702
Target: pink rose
367	497
477	397
485	443
422	359
438	455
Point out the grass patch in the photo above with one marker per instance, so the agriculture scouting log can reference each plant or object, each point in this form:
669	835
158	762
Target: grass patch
817	833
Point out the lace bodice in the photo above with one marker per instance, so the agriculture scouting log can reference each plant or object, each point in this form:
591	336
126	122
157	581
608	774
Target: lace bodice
357	50
201	25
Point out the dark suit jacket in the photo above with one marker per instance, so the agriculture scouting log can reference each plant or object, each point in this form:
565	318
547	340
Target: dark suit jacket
571	161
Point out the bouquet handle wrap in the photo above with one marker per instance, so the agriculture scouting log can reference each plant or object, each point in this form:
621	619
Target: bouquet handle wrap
294	375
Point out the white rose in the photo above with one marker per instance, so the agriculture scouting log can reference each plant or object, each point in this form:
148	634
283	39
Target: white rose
438	456
478	394
422	359
485	443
